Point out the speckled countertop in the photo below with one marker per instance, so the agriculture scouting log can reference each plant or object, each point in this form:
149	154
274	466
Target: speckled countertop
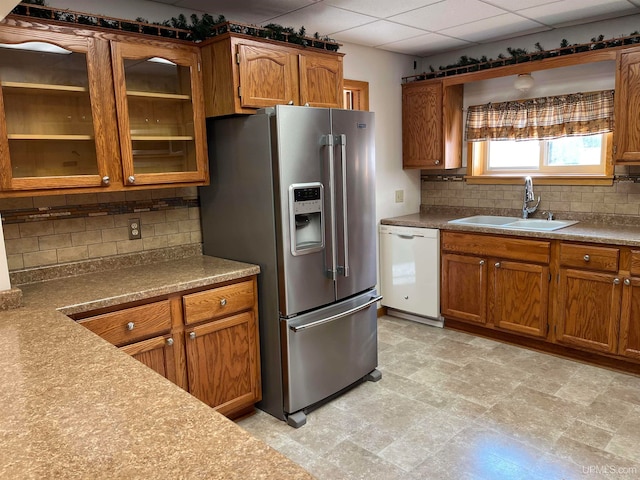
74	406
582	231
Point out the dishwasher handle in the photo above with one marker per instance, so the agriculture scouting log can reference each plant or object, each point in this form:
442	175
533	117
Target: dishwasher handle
408	237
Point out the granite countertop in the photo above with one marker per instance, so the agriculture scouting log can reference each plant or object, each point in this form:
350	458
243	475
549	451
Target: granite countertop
74	406
582	231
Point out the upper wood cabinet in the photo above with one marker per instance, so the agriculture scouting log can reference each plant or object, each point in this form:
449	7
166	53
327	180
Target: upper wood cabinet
242	75
431	125
160	113
57	123
626	133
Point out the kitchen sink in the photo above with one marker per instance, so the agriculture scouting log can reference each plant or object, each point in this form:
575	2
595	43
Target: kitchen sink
515	223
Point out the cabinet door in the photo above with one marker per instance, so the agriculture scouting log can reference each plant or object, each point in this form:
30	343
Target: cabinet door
627	107
56	127
266	76
160	113
156	353
589	310
321	80
630	319
223	363
464	289
422	125
520	297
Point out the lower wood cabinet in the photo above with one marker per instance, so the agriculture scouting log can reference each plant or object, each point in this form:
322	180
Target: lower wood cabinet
204	341
578	295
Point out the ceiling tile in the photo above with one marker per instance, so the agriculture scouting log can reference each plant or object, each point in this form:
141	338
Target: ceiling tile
448	13
568	11
323	19
512	6
424	45
380	8
377	33
493	28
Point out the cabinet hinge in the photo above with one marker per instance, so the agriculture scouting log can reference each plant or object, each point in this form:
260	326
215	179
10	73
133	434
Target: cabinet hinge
558	277
239	91
199	66
549	278
615	149
548	329
238	58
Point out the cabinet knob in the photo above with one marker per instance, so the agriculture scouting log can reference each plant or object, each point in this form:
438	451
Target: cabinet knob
106	180
223	302
481	262
627	281
437	162
169	341
586	258
497	264
192	335
616	281
131	179
130	325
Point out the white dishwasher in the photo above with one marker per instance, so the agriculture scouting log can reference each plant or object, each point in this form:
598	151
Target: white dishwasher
410	273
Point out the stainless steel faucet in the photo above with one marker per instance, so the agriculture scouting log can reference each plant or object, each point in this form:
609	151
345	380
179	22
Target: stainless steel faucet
529	197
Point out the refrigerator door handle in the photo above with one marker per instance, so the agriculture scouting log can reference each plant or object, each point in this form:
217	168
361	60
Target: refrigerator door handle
346	313
342	139
329	141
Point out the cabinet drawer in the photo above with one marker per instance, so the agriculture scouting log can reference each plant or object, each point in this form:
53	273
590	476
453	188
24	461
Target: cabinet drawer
586	256
635	262
537	251
218	302
131	324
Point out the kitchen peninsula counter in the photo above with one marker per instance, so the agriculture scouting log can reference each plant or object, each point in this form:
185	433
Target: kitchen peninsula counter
74	406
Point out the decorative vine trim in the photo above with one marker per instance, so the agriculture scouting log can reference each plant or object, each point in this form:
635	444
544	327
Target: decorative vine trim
176	28
519	55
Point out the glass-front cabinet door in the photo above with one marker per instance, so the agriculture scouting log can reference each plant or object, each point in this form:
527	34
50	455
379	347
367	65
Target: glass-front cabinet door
160	113
52	132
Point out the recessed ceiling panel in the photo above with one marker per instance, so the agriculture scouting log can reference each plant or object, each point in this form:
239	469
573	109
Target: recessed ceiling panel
377	33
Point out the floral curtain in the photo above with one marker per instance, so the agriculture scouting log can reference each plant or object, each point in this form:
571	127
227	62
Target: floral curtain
541	118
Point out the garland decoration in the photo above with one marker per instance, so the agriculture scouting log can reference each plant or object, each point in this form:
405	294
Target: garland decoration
196	29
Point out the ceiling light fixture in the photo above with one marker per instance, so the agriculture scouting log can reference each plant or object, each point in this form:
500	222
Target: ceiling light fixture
524	82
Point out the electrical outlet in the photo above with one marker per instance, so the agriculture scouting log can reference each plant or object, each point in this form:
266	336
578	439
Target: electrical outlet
399	196
134	229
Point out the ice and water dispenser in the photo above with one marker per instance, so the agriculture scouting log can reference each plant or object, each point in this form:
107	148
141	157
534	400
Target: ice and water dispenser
306	202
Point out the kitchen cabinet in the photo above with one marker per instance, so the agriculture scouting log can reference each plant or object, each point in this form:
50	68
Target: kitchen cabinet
223	361
629	338
160	113
589	297
431	125
626	133
242	75
496	281
57	123
205	341
84	112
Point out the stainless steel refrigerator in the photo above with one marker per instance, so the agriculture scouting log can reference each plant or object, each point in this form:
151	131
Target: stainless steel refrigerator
293	190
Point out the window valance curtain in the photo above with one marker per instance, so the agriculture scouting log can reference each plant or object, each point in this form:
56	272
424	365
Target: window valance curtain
541	118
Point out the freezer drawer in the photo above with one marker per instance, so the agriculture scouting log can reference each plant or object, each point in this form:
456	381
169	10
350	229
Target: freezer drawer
410	269
328	350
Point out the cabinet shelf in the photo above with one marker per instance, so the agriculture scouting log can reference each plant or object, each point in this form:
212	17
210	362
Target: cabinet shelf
155	138
170	96
30	136
45	86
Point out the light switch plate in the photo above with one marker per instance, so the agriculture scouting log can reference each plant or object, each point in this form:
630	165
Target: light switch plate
134	229
399	196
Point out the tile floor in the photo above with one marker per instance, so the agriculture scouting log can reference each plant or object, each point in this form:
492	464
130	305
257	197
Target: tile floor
455	406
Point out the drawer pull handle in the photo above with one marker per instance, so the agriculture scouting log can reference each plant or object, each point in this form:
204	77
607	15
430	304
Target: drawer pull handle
192	335
169	341
587	258
481	262
616	281
130	325
497	264
627	281
223	302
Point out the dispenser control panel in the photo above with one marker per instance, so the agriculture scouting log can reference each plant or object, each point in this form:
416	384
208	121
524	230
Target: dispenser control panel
306	224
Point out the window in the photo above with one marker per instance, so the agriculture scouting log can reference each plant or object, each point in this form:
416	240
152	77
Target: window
582	155
563	136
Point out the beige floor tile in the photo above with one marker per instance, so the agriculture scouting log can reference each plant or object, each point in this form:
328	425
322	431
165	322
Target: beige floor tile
588	434
626	440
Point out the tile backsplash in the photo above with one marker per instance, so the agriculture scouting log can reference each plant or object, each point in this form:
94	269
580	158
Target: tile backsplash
45	231
621	200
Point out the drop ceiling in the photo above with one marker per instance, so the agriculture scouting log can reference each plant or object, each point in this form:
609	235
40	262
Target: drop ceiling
416	27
